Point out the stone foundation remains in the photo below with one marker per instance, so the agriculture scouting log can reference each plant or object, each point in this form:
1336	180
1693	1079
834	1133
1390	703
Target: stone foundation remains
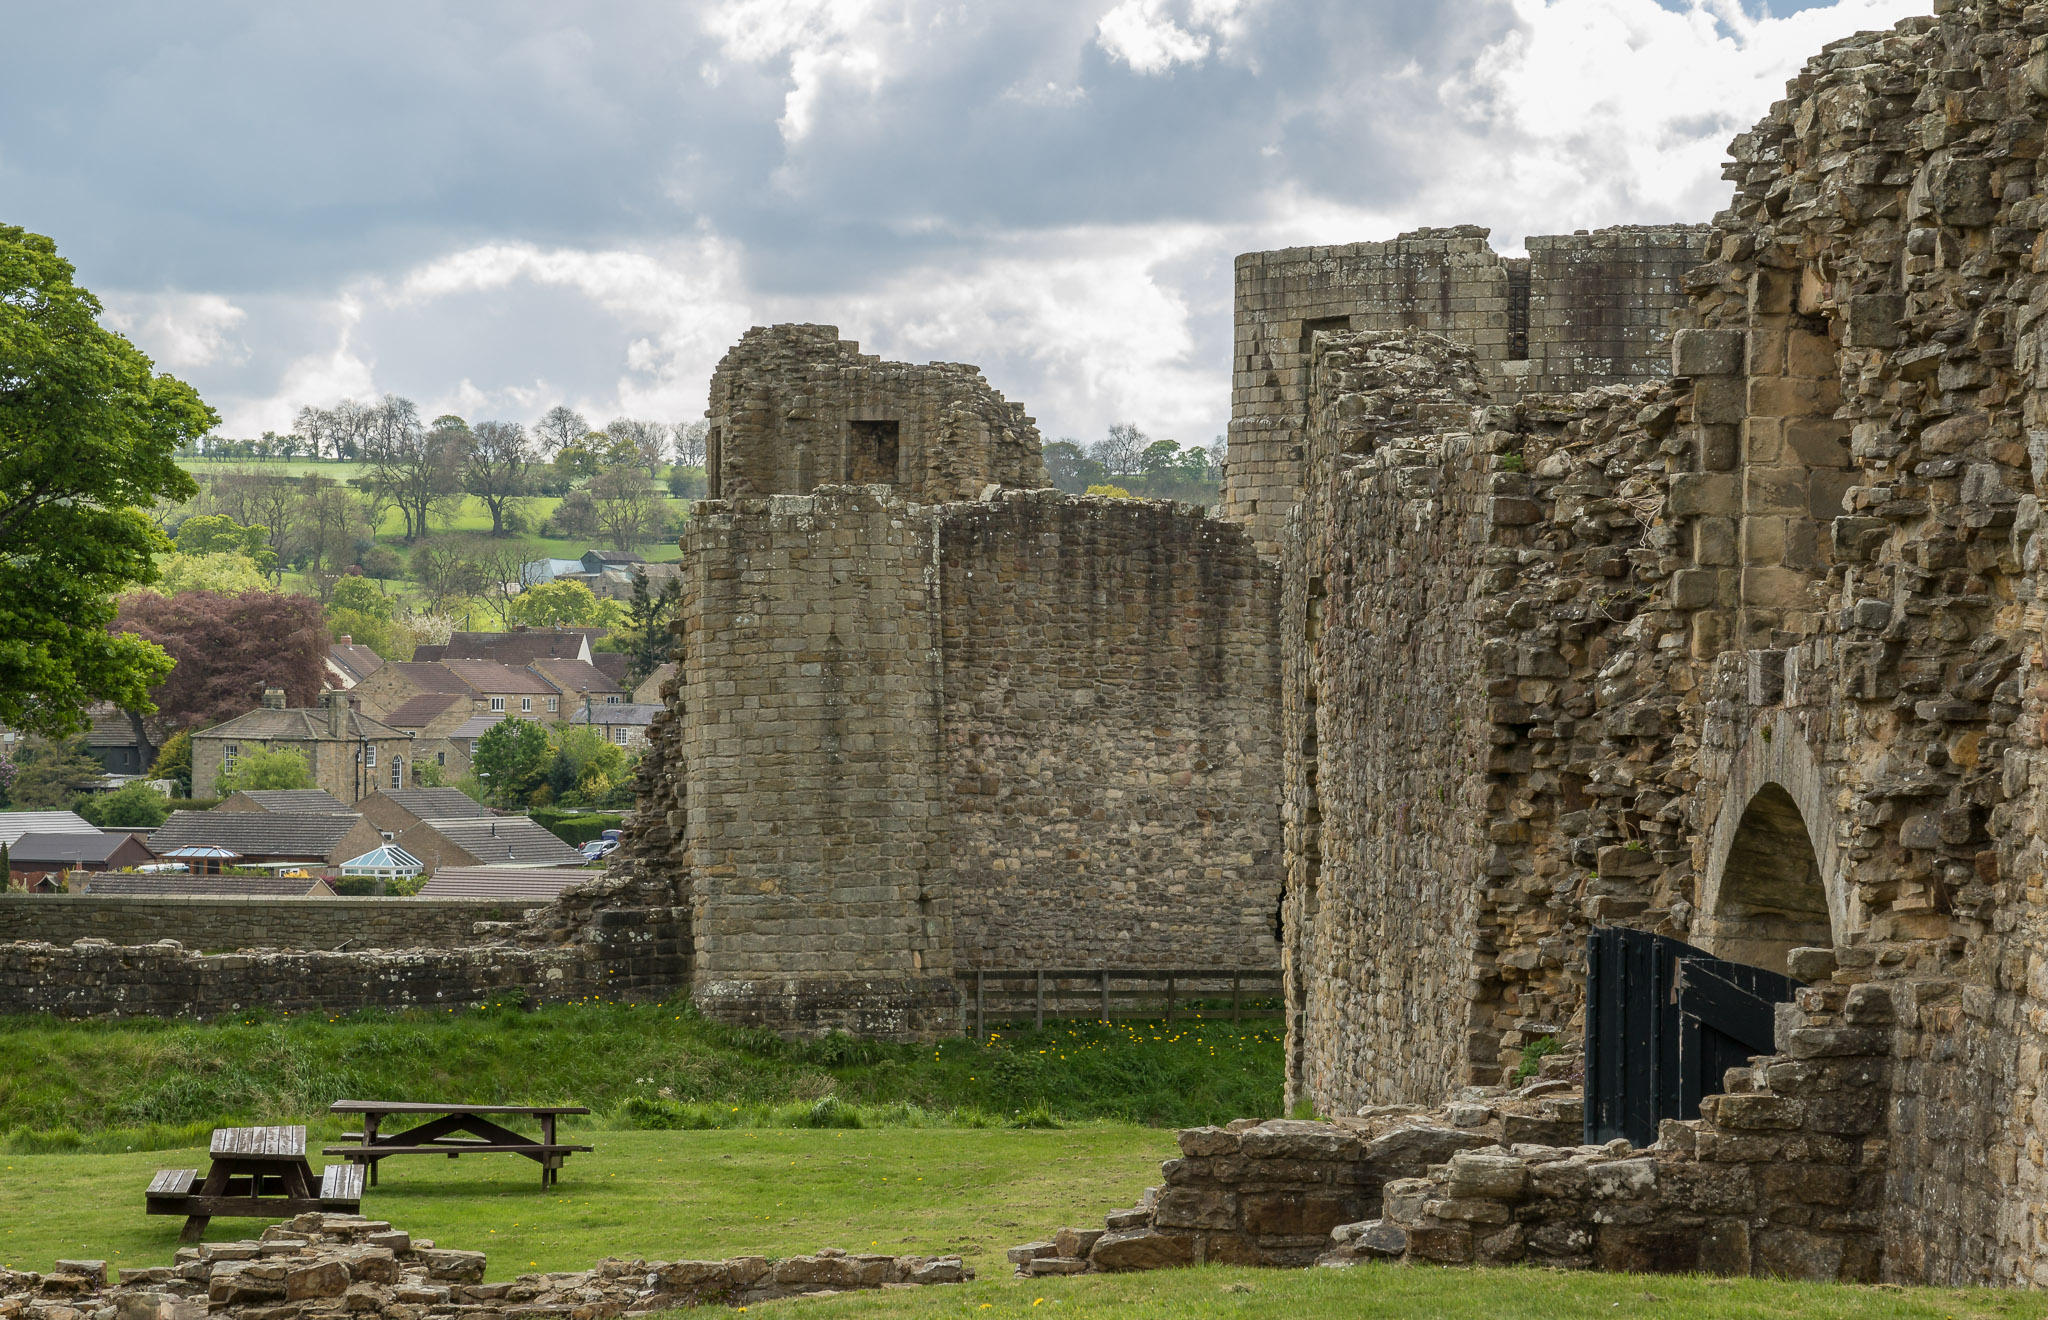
224	924
328	1264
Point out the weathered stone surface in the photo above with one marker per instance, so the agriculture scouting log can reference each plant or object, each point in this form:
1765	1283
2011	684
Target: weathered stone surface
1142	1249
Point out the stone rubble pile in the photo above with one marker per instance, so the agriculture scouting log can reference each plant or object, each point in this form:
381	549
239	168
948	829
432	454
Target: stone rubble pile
328	1265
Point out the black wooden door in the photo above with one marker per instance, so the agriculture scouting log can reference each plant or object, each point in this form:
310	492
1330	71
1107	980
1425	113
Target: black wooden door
1664	1022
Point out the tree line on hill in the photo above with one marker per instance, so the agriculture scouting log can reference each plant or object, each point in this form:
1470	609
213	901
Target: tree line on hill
1129	462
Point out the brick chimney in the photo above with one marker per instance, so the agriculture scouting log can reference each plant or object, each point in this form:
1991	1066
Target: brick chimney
273	698
337	714
347	640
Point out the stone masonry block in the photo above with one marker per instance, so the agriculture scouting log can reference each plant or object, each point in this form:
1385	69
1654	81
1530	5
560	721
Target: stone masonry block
1706	353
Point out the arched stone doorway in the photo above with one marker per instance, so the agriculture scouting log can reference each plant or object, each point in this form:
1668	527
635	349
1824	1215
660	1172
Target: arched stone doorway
1770	899
1774	879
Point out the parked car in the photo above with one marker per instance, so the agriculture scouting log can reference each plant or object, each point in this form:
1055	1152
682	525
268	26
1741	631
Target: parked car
598	848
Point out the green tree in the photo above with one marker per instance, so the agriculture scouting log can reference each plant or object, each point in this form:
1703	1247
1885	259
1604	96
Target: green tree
256	769
645	637
174	762
50	776
209	533
132	804
356	593
220	571
565	604
88	441
512	759
586	768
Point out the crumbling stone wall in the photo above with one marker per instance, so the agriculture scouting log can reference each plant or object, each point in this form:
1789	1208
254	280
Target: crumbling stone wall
795	407
1580	310
1111	675
1818	707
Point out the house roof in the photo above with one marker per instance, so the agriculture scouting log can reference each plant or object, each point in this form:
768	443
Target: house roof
430	676
437	803
317	801
15	824
254	833
64	849
297	724
613	557
208	886
519	647
537	884
424	709
628	713
111	727
494	679
506	840
390	857
574	676
357	660
476	726
613	664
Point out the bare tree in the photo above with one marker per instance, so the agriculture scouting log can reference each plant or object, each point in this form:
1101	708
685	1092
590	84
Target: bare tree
331	523
648	439
690	438
446	572
499	567
413	467
1119	453
497	466
628	510
563	425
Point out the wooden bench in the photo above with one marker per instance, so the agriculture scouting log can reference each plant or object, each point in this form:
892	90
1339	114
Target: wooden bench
256	1173
454	1130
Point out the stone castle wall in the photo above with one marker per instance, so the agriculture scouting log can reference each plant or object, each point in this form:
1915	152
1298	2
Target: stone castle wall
234	923
1110	677
809	689
794	407
1580	310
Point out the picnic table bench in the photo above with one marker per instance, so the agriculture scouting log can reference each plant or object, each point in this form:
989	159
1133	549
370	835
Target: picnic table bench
454	1131
254	1173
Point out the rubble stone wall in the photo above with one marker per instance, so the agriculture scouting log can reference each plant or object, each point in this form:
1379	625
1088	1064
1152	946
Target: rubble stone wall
794	407
237	923
1110	681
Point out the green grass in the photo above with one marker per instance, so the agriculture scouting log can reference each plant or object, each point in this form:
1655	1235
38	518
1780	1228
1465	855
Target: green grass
112	1085
1385	1292
658	1195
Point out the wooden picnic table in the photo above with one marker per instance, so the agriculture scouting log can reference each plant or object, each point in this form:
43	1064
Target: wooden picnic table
454	1130
255	1173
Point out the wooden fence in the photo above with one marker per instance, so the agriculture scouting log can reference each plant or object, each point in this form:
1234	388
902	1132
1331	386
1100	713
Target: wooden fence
1105	994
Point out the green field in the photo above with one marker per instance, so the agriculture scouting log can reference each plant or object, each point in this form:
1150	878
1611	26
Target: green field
466	517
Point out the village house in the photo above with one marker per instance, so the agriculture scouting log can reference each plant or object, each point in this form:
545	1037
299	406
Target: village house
349	754
37	857
395	813
267	838
515	841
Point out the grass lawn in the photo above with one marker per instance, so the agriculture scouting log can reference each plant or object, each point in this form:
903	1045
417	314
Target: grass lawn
660	1195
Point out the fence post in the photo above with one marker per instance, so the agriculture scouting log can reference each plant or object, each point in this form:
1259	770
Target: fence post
1039	1017
1236	983
1169	999
1105	994
980	1008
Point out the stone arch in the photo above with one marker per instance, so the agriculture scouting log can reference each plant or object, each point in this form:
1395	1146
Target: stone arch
1774	879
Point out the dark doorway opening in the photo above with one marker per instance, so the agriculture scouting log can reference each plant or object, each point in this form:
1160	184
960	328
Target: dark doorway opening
1771	898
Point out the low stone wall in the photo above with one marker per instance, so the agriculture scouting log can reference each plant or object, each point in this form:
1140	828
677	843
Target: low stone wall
243	923
638	950
325	1264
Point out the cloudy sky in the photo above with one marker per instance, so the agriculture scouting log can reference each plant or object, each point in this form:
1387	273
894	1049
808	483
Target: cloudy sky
496	208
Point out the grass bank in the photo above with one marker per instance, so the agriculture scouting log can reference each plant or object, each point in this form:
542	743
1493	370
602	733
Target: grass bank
112	1086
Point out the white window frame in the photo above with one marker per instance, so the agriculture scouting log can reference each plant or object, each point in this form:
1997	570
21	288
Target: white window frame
612	699
554	703
369	756
497	703
526	705
397	772
619	736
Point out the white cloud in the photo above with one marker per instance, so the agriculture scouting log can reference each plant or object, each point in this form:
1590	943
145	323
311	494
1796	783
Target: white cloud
1149	38
183	330
824	41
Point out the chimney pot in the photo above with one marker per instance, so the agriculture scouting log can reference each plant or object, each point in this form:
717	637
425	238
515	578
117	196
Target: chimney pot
273	698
